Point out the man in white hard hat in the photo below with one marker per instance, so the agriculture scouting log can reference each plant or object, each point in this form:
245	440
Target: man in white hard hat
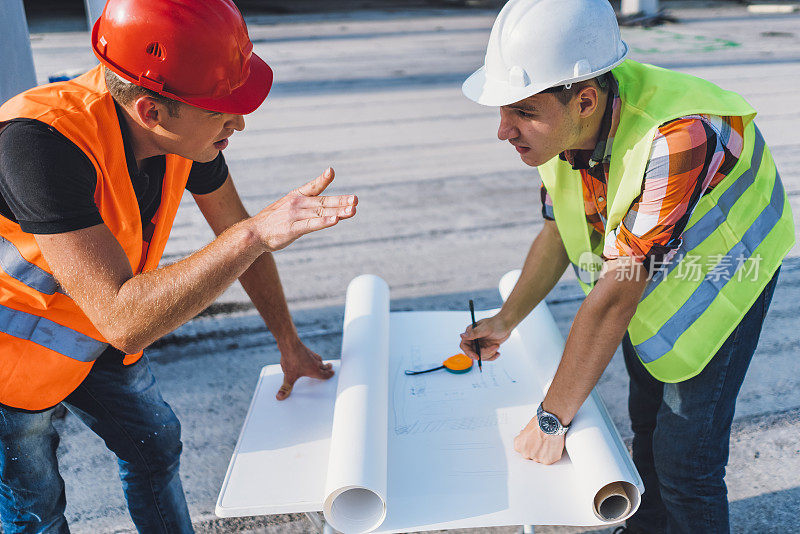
659	190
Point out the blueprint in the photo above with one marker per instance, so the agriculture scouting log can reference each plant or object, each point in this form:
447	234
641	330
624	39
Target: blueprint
381	451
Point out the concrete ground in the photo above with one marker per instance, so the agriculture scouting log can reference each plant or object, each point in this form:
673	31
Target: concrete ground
445	209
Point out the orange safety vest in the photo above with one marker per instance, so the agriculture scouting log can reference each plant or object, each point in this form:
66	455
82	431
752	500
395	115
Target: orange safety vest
47	343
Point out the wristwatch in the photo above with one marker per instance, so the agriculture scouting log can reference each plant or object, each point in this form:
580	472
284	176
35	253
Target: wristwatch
549	423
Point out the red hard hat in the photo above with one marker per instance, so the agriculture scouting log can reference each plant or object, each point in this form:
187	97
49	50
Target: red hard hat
194	51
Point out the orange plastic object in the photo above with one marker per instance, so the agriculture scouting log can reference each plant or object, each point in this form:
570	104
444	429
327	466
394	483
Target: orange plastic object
460	363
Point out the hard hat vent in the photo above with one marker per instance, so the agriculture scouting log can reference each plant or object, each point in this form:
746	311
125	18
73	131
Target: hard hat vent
517	77
582	68
156	50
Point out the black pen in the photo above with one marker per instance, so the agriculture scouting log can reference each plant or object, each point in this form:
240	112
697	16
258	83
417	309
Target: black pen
476	345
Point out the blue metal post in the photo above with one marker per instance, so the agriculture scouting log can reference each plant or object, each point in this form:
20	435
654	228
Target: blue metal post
94	8
16	62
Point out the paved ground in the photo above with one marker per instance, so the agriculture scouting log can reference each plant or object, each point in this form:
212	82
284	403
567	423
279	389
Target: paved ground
445	210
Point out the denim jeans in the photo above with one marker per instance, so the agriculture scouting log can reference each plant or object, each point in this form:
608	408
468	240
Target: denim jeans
122	405
682	433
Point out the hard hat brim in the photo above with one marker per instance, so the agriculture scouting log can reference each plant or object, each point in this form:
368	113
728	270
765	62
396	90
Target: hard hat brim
247	97
487	92
495	93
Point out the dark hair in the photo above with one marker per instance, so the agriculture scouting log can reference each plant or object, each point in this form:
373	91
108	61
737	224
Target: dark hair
564	95
125	93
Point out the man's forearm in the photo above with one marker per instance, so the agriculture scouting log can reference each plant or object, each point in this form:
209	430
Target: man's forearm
263	285
222	209
545	264
133	310
596	333
152	304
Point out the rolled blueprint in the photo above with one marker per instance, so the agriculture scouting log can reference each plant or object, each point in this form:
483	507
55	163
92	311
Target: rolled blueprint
612	502
355	489
595	452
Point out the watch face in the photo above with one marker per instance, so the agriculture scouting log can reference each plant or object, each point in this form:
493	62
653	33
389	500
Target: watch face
548	424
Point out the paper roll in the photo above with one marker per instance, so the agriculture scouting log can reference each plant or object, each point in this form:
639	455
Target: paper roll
355	489
612	502
592	442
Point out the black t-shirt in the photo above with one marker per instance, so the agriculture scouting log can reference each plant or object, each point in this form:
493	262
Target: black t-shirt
47	183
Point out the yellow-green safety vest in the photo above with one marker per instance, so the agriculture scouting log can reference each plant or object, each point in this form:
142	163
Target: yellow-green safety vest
731	247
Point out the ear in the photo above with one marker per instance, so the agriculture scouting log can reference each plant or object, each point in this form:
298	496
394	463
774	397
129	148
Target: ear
149	112
588	99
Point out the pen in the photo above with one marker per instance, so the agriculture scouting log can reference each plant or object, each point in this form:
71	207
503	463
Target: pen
475	343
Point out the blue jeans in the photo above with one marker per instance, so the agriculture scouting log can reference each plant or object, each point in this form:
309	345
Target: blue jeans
682	433
122	405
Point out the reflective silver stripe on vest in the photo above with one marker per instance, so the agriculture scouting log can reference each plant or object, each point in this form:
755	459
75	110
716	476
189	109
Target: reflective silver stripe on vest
26	272
53	336
702	297
717	215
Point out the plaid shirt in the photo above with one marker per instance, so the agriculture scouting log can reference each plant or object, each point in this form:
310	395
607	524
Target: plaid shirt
689	156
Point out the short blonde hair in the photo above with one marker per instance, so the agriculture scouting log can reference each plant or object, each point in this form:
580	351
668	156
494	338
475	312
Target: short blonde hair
125	93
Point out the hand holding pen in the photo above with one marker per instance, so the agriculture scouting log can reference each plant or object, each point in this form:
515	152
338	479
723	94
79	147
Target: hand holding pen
481	341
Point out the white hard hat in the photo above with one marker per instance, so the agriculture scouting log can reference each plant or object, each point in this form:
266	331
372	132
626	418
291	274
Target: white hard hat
538	44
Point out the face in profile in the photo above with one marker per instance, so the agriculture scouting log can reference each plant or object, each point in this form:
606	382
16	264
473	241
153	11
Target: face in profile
188	131
197	134
540	127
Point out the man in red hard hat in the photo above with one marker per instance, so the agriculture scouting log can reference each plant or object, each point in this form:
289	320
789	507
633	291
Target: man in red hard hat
91	175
